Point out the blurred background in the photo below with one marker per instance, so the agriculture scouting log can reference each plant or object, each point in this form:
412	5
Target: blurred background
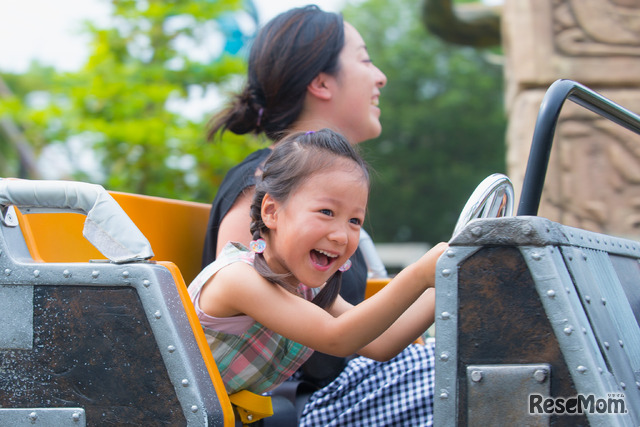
119	93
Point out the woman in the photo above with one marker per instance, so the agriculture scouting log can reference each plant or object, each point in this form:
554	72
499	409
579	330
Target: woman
309	70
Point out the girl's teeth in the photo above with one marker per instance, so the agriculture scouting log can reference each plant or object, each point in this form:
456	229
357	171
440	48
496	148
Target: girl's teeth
327	254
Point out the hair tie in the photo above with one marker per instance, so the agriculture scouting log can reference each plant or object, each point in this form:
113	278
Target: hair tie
260	112
258	246
310	132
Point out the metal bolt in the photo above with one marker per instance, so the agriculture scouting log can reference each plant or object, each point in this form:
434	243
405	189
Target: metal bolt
540	375
194	409
476	376
33	416
444	356
185	383
445	315
171	348
125	274
146	283
66	273
7	272
95	274
157	314
36	273
582	369
551	293
568	330
446	272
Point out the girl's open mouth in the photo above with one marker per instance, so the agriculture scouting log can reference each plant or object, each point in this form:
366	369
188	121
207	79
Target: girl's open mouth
322	259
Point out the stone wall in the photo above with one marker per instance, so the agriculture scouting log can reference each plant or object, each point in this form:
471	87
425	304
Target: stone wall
593	180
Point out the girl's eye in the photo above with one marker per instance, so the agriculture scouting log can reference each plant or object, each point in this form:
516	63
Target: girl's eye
355	221
327	212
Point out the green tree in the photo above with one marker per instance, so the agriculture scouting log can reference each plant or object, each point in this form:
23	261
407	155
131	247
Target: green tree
443	123
118	104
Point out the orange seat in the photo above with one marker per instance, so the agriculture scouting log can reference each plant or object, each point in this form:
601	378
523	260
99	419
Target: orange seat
175	229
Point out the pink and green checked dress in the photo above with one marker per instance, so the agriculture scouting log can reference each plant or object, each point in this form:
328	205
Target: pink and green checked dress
249	356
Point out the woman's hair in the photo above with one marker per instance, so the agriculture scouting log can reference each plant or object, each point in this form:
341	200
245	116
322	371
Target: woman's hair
287	54
295	159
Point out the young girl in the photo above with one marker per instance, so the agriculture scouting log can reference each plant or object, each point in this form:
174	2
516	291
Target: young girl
265	309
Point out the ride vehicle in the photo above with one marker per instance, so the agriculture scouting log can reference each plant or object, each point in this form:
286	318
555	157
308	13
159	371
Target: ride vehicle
532	316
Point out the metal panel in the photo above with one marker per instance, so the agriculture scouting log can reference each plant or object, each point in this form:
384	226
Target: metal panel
16	316
29	417
508	388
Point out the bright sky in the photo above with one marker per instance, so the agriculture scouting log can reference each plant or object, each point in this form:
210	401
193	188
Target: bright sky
49	29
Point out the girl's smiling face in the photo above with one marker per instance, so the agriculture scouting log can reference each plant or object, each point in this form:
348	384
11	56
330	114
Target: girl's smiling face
317	229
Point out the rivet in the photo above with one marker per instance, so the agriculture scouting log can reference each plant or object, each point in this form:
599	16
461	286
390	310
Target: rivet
76	416
587	298
7	272
527	229
600	370
476	231
66	273
36	273
551	293
446	272
171	348
451	253
540	375
146	283
445	395
568	330
157	314
445	315
604	301
250	417
125	274
584	331
582	369
623	385
33	416
444	356
476	376
194	408
185	383
621	343
606	345
536	256
638	384
95	274
570	257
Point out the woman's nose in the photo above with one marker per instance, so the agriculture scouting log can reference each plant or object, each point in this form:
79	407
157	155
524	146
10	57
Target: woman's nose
381	79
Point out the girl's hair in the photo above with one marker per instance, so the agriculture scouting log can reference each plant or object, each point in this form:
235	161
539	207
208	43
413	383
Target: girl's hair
293	160
287	54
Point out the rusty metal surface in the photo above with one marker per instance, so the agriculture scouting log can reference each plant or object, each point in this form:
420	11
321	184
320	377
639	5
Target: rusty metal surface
93	348
502	321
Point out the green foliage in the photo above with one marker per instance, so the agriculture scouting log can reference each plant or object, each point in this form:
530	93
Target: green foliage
117	105
443	124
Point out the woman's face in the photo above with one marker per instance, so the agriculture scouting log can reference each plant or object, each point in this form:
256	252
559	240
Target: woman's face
358	82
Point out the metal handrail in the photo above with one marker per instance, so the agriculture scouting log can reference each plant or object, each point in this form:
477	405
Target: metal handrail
548	114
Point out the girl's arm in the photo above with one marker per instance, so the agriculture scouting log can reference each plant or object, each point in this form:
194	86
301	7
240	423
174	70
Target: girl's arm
239	289
235	225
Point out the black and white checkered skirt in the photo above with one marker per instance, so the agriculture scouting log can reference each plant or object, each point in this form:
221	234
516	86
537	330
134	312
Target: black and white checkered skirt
369	393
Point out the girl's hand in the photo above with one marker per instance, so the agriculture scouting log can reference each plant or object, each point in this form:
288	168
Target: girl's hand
427	263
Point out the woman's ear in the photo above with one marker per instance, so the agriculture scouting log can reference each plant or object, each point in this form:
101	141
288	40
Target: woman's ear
269	211
321	86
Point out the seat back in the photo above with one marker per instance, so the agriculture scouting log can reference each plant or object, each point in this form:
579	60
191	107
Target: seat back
99	343
175	229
